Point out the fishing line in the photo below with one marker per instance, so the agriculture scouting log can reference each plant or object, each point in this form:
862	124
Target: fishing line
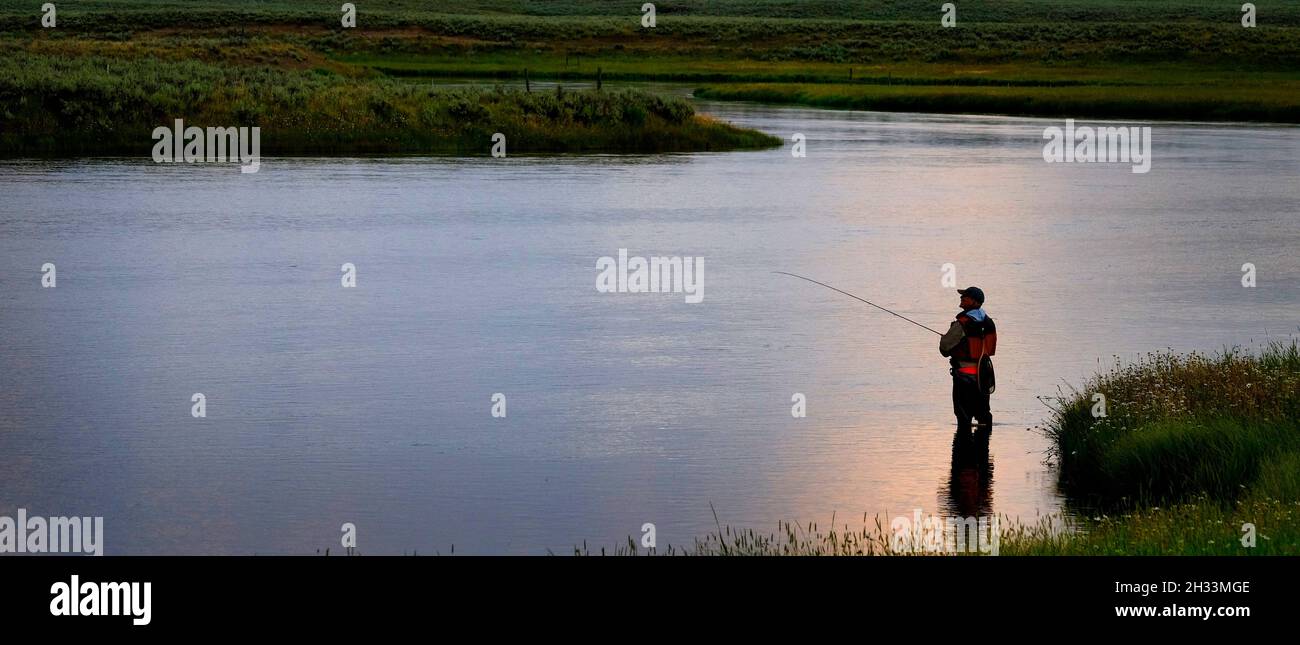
793	275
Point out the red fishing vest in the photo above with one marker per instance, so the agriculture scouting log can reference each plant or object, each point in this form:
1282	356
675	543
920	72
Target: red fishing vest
981	339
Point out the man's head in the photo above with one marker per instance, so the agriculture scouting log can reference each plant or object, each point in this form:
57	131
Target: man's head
971	298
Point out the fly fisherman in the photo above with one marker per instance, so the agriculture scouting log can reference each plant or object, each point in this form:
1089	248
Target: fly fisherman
970	340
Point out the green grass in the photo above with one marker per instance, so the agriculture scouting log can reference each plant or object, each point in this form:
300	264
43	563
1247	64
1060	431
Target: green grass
1179	426
100	105
1006	11
1147	59
1198	527
1278	103
1203	527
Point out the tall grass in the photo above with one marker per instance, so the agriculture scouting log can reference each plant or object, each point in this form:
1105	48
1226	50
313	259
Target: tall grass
97	104
1177	426
1200	526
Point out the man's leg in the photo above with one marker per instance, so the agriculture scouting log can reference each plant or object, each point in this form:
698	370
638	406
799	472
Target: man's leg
983	416
961	402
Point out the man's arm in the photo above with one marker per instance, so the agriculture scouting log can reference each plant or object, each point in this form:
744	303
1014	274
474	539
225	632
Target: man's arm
950	340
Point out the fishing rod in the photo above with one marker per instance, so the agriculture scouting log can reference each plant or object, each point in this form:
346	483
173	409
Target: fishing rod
793	275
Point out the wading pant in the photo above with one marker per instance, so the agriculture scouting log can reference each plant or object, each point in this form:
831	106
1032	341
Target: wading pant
968	402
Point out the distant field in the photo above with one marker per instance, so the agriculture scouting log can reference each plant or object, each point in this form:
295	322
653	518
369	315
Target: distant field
1156	59
1022	11
1206	31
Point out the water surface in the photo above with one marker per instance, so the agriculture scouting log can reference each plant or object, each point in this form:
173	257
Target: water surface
475	276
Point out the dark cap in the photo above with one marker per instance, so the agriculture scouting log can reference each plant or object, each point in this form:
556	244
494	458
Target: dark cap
975	293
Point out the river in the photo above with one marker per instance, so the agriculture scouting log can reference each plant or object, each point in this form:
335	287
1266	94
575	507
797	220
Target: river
373	405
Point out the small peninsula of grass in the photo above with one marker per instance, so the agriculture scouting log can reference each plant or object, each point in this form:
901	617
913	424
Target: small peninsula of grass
100	105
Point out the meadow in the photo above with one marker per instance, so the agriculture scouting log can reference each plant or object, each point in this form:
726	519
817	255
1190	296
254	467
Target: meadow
97	104
1152	59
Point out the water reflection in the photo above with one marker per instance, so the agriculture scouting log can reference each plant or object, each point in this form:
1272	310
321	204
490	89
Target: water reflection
969	491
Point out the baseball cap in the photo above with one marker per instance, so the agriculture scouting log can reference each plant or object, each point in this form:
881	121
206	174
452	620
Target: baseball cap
975	293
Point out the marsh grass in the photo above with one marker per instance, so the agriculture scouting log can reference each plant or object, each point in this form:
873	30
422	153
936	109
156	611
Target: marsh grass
1251	102
1150	59
1178	426
98	104
790	538
1202	526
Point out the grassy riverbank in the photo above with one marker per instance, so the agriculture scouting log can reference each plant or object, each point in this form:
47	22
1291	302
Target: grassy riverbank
1179	426
1149	59
1200	527
1191	448
104	105
1279	104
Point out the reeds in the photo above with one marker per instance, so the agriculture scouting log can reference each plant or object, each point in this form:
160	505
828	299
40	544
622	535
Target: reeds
1201	526
1178	426
99	104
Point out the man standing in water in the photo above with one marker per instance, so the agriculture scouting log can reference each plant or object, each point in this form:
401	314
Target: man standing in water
970	340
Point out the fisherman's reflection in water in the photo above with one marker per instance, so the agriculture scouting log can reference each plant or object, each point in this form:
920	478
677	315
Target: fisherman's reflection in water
970	484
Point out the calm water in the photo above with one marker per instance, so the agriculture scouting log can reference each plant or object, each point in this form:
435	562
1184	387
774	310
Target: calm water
372	405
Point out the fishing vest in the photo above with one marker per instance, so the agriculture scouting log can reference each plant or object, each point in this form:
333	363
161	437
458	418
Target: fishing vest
980	339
